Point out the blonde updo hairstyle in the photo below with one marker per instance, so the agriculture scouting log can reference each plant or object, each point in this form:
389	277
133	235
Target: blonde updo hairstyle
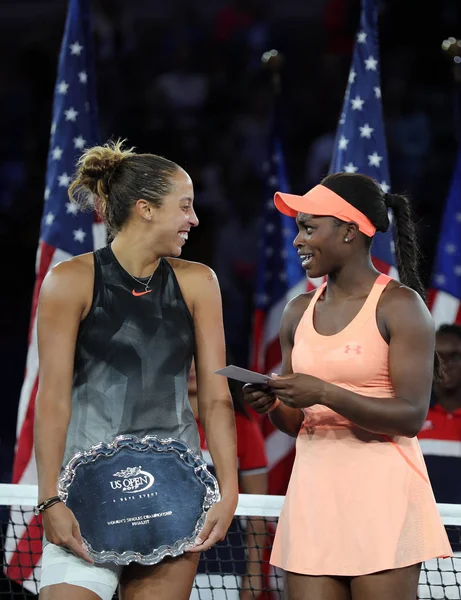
113	179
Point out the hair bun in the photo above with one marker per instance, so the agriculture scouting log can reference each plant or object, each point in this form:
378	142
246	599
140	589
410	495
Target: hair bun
95	169
101	162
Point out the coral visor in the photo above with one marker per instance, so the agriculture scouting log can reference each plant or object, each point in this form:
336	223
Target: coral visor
321	201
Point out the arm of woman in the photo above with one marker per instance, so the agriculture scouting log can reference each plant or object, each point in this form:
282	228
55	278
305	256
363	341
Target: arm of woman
411	360
62	303
216	412
262	398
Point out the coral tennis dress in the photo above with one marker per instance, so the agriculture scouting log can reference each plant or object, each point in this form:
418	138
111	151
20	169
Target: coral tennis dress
357	502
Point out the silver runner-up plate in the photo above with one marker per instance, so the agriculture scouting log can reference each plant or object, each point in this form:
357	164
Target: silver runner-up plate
138	500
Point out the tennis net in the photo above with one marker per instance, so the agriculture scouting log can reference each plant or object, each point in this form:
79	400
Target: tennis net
241	560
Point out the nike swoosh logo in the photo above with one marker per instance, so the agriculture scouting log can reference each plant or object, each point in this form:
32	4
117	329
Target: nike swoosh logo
135	293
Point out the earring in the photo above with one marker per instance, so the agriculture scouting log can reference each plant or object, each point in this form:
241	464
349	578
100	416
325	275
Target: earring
346	239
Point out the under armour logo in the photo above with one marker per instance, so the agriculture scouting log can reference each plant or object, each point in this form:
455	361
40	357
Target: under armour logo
357	349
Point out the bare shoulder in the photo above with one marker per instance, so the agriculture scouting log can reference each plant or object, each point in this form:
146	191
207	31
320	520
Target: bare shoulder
72	278
199	285
299	304
294	311
399	304
190	271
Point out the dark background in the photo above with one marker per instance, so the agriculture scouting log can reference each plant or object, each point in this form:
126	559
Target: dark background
184	79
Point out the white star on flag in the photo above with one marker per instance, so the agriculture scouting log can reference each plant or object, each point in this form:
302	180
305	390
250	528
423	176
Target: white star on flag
64	180
352	76
385	187
350	168
366	131
49	218
450	249
79	235
357	103
53	128
71	114
458	217
76	48
263	298
374	159
57	153
63	87
72	208
377	90
286	232
371	64
82	77
440	279
458	270
361	37
47	193
342	144
79	142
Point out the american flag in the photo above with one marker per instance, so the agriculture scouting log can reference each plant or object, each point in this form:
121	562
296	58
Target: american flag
280	278
65	232
360	145
444	297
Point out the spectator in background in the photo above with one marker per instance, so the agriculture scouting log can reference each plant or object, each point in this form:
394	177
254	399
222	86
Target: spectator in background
183	88
440	437
240	555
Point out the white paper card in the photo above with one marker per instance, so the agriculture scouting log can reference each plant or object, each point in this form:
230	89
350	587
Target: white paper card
243	375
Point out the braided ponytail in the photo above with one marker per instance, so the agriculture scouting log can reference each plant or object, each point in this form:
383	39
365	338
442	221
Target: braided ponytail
407	251
407	248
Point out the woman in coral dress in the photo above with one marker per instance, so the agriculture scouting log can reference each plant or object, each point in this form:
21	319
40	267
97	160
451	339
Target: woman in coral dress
358	361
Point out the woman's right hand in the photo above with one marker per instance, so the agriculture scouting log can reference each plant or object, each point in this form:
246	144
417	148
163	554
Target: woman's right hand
261	398
62	529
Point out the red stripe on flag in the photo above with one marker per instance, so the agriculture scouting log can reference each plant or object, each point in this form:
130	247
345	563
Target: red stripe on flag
431	296
458	316
27	552
381	265
25	441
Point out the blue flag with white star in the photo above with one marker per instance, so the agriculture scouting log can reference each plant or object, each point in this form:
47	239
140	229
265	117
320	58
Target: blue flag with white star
74	127
445	296
360	145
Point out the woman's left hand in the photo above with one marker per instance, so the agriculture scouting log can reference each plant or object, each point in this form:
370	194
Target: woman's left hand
298	390
217	522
